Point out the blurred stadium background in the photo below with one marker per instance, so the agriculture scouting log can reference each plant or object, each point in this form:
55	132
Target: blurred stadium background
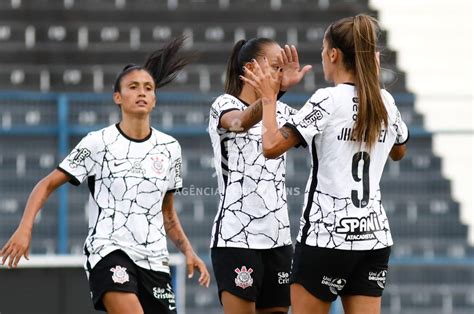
58	61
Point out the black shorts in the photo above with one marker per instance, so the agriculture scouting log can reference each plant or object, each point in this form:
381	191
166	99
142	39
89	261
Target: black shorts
117	272
260	276
327	273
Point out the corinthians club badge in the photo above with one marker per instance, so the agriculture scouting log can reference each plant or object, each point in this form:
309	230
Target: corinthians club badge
243	279
158	164
120	274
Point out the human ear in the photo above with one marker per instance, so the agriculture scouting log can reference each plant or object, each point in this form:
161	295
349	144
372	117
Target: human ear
117	98
334	54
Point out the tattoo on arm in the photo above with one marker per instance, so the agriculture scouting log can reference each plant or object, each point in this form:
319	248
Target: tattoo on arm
256	110
172	225
169	220
180	244
284	132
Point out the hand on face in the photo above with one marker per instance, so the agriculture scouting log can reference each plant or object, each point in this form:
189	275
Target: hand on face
263	79
292	71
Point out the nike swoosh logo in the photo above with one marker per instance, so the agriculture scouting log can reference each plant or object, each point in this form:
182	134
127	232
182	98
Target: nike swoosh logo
172	307
116	164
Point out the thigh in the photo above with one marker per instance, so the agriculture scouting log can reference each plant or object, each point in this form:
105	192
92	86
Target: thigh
275	292
238	271
304	302
369	276
122	303
235	305
115	272
322	272
360	304
155	292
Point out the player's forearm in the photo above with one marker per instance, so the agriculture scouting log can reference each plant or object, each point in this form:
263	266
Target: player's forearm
173	227
36	200
270	126
176	234
244	120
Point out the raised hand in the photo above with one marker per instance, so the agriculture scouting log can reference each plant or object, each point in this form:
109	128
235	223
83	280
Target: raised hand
292	72
265	81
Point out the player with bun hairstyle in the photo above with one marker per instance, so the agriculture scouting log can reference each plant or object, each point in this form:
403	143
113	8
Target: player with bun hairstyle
344	241
132	171
251	244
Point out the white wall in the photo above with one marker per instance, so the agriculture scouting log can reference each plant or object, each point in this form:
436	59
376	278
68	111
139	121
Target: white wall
434	40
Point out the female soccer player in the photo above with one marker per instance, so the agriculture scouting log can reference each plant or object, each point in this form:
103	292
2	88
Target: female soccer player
132	171
343	245
251	245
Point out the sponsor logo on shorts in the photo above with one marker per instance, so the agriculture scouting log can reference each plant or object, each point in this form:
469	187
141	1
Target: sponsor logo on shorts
334	284
244	278
165	294
360	229
283	278
379	277
120	274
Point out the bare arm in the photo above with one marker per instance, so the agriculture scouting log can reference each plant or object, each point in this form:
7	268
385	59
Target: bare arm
276	141
241	121
176	234
398	152
19	243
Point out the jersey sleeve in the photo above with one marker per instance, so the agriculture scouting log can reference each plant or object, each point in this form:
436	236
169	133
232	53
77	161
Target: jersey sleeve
81	161
312	118
221	106
285	110
401	130
175	182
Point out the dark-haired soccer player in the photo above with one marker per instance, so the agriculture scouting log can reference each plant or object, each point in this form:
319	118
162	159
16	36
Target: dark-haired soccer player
132	171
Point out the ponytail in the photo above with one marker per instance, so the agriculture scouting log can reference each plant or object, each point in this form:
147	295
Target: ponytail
163	64
243	52
372	114
357	39
233	84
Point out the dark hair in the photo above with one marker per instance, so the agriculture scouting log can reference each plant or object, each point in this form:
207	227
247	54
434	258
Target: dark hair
356	37
243	52
163	64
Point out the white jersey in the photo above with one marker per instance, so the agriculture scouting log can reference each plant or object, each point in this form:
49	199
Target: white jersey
127	180
343	207
252	209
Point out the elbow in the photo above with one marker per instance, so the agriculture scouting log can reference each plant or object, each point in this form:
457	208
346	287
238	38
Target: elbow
398	152
270	152
395	157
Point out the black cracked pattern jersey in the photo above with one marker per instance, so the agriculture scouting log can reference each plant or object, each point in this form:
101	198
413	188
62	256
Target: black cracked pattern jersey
127	180
252	211
343	206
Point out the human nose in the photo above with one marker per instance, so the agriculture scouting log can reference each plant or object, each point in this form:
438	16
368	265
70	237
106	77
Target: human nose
141	90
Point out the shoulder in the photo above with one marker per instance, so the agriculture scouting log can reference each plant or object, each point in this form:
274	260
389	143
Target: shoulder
166	139
323	98
225	100
389	102
285	109
387	97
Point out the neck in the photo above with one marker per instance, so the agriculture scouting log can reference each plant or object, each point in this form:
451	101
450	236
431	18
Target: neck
136	128
248	94
343	76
